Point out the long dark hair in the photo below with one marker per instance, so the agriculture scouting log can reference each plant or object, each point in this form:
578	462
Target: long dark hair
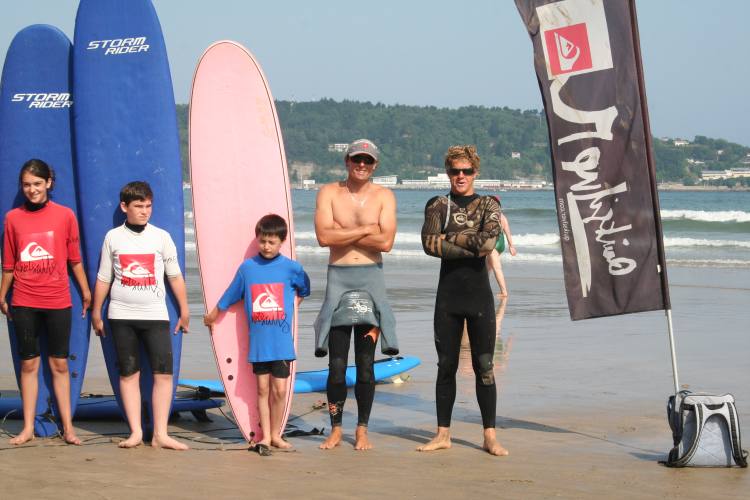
37	168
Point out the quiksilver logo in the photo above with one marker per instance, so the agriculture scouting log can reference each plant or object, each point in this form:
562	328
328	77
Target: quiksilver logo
575	41
117	46
34	251
44	100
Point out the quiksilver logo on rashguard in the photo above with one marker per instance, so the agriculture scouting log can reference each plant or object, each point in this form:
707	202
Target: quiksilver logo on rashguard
36	256
268	301
137	270
119	46
43	100
34	251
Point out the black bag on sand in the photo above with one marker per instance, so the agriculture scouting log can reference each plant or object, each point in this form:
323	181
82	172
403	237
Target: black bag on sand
706	431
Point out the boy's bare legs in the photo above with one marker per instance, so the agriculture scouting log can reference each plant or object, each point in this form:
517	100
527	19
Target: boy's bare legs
29	393
61	386
441	441
130	393
264	410
161	401
278	403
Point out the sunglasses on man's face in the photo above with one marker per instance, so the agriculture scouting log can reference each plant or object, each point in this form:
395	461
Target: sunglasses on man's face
453	172
366	159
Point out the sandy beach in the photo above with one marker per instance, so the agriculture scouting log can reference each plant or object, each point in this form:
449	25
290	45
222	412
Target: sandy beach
581	407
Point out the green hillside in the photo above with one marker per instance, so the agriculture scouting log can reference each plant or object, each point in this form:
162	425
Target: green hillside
413	140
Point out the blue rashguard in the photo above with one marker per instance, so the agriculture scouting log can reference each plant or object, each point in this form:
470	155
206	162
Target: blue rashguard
268	287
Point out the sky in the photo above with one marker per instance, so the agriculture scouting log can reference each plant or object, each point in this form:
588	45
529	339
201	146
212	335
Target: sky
447	54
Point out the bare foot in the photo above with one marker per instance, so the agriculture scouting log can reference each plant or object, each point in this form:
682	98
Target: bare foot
70	437
135	439
168	442
441	441
24	437
361	441
491	445
333	440
278	442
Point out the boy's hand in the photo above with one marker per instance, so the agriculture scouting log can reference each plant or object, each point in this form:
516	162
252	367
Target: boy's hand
210	318
182	324
98	324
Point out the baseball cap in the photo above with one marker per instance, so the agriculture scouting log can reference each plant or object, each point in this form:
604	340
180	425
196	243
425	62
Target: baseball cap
363	147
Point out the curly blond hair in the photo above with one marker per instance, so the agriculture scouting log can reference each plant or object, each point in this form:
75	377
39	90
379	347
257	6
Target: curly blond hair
466	152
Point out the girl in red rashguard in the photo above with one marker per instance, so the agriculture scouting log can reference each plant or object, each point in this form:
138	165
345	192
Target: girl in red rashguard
40	239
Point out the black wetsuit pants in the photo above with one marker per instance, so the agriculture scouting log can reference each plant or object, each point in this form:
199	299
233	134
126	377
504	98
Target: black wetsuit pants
479	314
364	357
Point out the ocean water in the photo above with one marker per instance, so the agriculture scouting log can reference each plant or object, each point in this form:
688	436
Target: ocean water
701	229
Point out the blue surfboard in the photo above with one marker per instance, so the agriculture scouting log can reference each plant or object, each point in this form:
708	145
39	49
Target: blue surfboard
106	407
315	381
125	130
35	122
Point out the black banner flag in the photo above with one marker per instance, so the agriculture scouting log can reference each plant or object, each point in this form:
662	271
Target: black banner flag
587	61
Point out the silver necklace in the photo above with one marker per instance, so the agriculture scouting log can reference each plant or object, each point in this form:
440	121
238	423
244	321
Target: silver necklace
356	200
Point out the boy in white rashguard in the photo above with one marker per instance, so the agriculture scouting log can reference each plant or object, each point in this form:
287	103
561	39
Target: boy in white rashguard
135	258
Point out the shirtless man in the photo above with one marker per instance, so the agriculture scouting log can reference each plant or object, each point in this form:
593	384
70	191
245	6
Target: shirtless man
356	220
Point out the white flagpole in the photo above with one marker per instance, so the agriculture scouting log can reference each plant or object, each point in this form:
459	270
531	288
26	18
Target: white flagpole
672	351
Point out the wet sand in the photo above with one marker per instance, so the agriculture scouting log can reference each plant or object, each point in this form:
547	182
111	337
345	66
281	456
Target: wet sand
580	407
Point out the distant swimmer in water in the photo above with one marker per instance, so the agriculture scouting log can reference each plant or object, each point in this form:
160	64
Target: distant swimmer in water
461	229
356	219
493	259
41	240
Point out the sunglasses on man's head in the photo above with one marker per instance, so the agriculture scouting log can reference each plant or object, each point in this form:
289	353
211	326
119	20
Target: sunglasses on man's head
366	159
453	172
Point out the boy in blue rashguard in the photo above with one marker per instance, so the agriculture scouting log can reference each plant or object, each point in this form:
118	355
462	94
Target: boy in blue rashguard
271	285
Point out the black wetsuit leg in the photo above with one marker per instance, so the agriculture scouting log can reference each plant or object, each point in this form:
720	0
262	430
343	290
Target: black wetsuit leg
364	358
464	294
448	330
481	330
339	339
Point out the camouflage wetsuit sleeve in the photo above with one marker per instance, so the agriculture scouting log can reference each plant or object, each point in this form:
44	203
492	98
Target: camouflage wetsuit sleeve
432	228
481	235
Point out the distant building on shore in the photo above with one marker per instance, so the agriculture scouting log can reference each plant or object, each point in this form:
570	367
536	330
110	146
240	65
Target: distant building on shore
338	147
385	180
732	173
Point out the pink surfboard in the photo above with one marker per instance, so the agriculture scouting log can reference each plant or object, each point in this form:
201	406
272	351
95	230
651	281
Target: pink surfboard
239	174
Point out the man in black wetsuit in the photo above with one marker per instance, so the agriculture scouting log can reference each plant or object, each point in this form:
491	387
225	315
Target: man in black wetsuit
461	229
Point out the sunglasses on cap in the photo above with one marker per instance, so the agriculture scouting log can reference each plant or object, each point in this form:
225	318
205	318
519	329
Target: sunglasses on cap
366	159
453	172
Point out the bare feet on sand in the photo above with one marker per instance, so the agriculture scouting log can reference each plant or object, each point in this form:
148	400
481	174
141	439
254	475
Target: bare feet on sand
70	437
441	441
23	437
167	442
135	439
278	442
333	440
491	445
362	442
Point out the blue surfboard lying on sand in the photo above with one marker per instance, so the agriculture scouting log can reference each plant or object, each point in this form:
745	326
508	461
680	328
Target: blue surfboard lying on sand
126	130
106	407
315	381
35	122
